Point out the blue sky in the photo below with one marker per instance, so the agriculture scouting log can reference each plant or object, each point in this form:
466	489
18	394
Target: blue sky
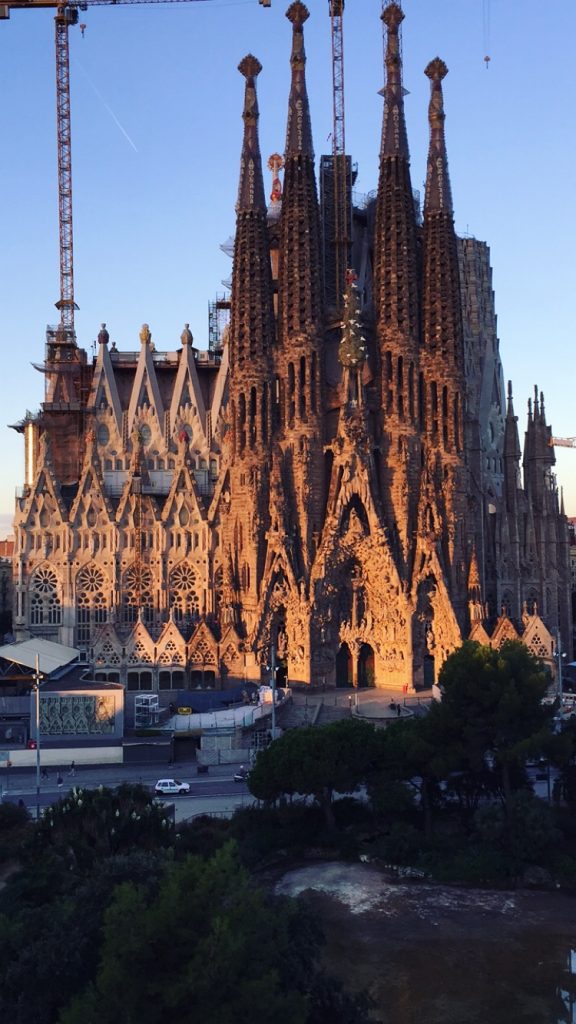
156	105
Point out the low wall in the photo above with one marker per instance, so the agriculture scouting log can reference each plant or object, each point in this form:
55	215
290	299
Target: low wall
58	756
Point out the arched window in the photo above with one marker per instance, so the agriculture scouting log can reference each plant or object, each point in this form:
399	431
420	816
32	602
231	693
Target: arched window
184	597
45	606
137	593
91	610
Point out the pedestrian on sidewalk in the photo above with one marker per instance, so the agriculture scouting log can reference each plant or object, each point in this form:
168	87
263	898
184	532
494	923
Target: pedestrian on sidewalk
72	769
59	781
44	773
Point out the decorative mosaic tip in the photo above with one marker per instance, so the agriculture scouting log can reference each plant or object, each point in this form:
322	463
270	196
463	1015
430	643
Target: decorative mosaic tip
297	13
392	16
250	66
145	334
436	70
103	336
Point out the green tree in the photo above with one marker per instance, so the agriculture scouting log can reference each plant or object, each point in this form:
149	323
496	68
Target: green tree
92	824
491	716
316	762
207	947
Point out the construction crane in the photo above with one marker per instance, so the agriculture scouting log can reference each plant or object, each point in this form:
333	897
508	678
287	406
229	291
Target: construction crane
562	442
68	14
339	160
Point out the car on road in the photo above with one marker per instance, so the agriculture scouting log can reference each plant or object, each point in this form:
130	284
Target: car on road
171	787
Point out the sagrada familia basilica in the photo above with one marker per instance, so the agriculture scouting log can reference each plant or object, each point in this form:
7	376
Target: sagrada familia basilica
339	485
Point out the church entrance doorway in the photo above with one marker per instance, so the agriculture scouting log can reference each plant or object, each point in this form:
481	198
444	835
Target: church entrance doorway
429	677
344	667
366	667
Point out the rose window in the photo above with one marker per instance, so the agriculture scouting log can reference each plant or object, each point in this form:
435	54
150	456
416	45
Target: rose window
90	580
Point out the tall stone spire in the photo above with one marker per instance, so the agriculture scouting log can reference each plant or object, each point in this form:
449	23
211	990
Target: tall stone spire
299	129
299	278
251	338
441	304
252	319
394	138
298	355
438	191
442	349
251	187
396	306
395	247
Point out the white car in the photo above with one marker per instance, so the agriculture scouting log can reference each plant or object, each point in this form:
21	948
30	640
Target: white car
171	787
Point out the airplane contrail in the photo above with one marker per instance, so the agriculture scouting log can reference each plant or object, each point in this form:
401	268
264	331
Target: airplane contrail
106	105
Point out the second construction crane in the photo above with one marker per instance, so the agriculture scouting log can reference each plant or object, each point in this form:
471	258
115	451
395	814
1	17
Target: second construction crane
67	14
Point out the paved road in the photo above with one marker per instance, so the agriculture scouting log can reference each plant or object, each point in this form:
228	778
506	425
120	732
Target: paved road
213	793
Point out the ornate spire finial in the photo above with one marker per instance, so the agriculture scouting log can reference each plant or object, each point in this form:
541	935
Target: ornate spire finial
145	334
438	192
299	130
298	13
251	188
103	336
394	138
536	408
275	164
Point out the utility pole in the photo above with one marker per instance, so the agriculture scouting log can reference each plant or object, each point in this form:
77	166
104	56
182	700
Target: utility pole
273	686
37	678
559	677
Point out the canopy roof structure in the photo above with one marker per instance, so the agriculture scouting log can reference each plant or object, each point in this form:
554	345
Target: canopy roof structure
51	656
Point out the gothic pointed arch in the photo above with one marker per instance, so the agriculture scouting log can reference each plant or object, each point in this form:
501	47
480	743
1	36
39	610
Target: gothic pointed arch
137	592
45	596
185	592
93	600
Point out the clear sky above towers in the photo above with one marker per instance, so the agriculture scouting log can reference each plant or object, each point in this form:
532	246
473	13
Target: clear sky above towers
156	110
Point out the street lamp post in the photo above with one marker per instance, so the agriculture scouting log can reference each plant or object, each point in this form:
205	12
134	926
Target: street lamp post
559	677
273	685
37	678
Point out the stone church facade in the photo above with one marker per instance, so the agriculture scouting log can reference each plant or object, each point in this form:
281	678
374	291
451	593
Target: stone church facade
340	491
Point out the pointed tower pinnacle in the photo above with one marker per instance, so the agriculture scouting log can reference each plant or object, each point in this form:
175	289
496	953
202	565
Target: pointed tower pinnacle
299	276
299	129
251	317
395	244
251	187
394	138
438	191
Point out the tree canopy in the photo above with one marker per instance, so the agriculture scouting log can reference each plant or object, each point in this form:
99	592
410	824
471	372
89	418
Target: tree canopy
316	762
